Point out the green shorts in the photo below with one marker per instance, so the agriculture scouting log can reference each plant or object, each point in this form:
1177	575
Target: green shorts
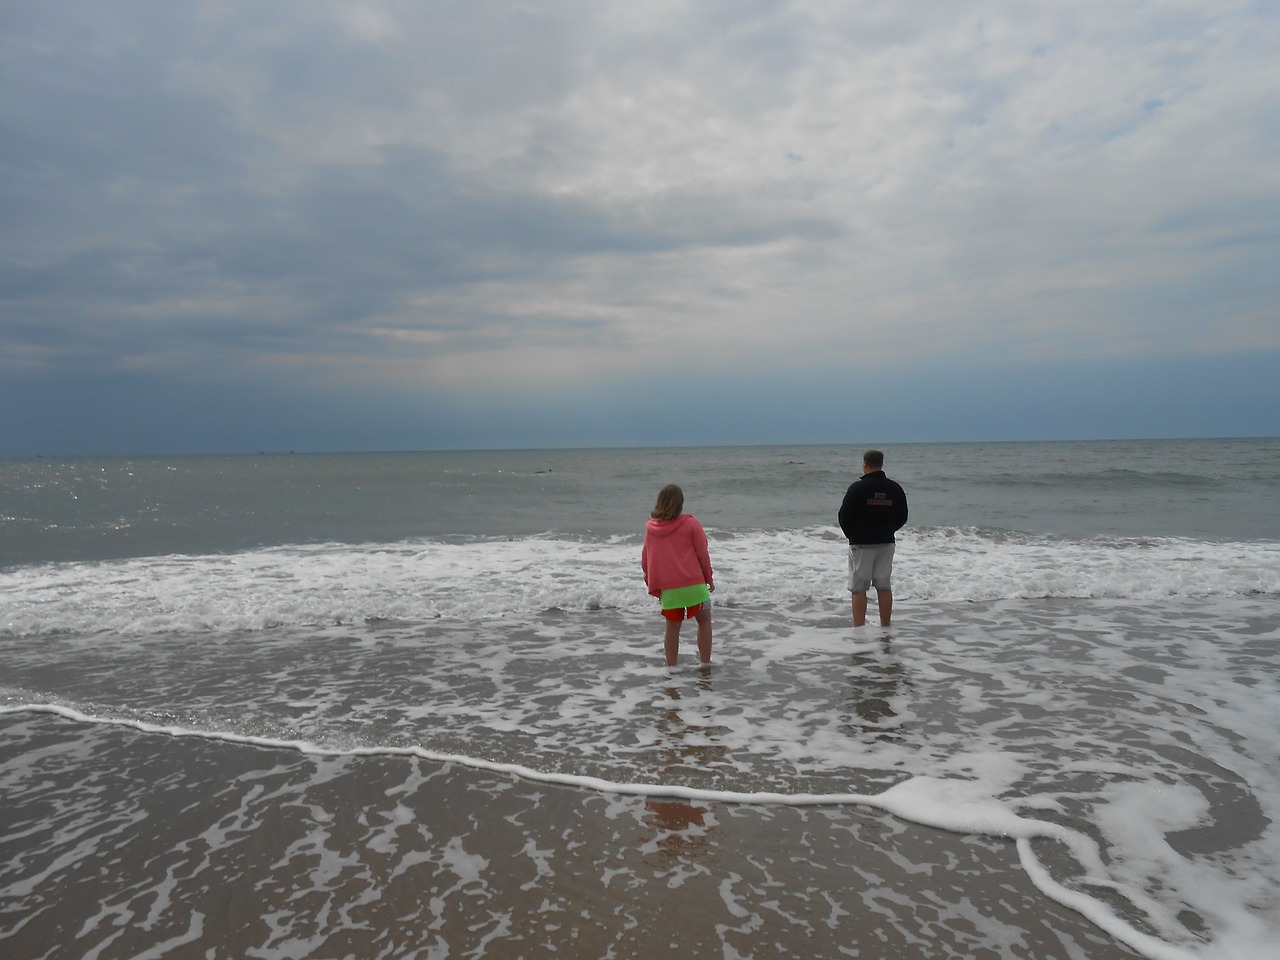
680	598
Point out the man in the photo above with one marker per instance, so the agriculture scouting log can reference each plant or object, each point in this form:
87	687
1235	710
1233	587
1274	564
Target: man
874	509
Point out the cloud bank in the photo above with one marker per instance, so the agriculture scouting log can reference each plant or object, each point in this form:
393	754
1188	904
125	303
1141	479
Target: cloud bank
330	225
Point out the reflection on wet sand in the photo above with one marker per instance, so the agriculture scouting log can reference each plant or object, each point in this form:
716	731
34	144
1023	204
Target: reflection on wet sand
682	828
687	742
683	831
876	680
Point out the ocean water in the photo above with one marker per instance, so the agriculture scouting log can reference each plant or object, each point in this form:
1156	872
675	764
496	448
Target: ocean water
1084	659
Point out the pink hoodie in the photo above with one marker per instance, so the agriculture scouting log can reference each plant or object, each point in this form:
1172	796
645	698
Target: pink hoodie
675	554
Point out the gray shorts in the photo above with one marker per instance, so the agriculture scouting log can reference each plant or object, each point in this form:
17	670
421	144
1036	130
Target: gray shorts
870	566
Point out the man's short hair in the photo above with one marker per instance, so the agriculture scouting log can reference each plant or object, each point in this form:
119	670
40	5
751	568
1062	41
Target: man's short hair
873	458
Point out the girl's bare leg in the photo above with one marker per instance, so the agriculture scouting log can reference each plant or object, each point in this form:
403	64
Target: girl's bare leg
671	641
703	617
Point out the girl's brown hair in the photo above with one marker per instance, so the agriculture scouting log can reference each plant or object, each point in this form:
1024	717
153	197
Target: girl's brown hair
670	503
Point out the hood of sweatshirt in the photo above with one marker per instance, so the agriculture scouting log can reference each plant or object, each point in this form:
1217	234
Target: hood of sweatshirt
664	528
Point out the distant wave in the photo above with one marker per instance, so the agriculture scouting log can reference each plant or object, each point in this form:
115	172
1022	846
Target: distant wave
1103	479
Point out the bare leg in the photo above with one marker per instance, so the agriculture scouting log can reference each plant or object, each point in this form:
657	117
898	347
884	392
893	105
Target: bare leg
884	600
671	641
859	609
704	633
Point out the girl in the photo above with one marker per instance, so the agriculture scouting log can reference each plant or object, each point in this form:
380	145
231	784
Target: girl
677	570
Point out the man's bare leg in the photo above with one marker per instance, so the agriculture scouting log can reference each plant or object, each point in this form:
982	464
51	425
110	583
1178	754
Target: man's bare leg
859	609
884	600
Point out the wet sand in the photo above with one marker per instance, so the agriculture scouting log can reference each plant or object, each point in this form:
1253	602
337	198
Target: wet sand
117	843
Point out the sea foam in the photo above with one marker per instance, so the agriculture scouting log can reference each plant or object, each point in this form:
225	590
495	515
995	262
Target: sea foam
522	577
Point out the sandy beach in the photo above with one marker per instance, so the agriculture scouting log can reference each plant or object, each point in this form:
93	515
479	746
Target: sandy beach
126	844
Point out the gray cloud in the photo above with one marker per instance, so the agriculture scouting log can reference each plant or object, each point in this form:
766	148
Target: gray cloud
455	202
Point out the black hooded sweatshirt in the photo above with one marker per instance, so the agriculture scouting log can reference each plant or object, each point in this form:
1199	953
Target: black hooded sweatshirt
874	508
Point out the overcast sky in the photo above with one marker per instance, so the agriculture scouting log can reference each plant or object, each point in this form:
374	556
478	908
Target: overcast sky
233	226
